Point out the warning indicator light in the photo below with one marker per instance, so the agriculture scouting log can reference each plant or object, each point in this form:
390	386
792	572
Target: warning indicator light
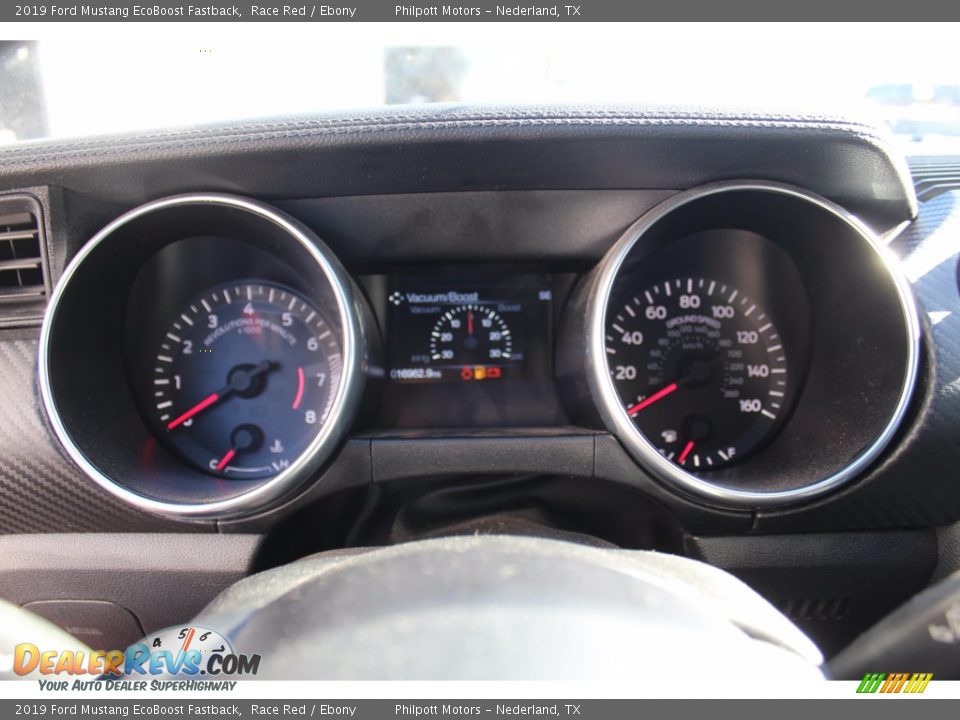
480	372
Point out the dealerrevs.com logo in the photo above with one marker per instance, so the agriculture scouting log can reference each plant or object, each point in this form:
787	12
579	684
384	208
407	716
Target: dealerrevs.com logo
184	653
891	683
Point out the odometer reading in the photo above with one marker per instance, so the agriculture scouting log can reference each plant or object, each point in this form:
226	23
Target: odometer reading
699	367
244	379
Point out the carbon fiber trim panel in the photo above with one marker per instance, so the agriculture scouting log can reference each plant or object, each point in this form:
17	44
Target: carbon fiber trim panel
40	490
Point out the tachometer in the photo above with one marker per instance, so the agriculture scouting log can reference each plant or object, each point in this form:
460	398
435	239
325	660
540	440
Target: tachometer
244	378
699	367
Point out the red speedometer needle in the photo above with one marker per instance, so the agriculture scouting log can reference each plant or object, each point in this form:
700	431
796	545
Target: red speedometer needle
652	399
199	407
686	451
225	460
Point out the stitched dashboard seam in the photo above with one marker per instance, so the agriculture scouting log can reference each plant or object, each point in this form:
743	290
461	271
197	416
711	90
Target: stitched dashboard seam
385	120
112	147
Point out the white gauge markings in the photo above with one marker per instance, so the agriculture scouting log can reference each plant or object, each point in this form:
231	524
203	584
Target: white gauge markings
695	361
318	367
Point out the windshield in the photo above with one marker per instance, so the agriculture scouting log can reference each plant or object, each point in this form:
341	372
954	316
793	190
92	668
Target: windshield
904	75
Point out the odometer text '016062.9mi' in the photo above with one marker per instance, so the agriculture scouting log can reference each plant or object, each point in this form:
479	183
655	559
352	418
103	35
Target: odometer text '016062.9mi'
244	378
699	367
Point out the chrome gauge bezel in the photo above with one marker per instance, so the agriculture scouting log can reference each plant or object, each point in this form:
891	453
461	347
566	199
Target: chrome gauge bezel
343	409
614	416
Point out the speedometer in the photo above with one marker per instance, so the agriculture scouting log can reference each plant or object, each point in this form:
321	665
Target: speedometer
700	369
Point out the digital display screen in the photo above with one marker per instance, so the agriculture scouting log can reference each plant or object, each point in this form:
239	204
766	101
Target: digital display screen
464	329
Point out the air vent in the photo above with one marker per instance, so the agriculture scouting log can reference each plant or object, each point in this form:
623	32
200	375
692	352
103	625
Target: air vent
933	176
23	268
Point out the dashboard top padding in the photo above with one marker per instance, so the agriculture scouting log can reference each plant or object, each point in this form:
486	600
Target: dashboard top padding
456	147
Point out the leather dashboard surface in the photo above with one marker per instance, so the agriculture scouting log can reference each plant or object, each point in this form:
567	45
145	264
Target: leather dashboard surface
453	147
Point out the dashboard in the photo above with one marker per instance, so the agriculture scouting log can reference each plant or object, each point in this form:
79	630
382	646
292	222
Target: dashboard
728	337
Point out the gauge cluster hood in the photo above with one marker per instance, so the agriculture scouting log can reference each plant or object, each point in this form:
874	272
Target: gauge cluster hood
440	148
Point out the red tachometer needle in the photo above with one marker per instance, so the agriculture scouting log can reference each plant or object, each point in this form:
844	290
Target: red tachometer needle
686	451
199	407
652	399
225	460
239	380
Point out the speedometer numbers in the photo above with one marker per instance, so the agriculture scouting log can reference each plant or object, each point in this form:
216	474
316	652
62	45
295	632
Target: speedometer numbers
244	378
700	369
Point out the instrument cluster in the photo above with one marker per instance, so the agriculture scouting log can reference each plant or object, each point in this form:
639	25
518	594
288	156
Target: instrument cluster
748	344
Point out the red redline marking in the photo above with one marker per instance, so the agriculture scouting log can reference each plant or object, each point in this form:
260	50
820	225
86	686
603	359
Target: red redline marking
225	460
652	399
299	397
200	406
189	637
686	451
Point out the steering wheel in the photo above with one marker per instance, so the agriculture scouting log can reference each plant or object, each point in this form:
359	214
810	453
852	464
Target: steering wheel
498	607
